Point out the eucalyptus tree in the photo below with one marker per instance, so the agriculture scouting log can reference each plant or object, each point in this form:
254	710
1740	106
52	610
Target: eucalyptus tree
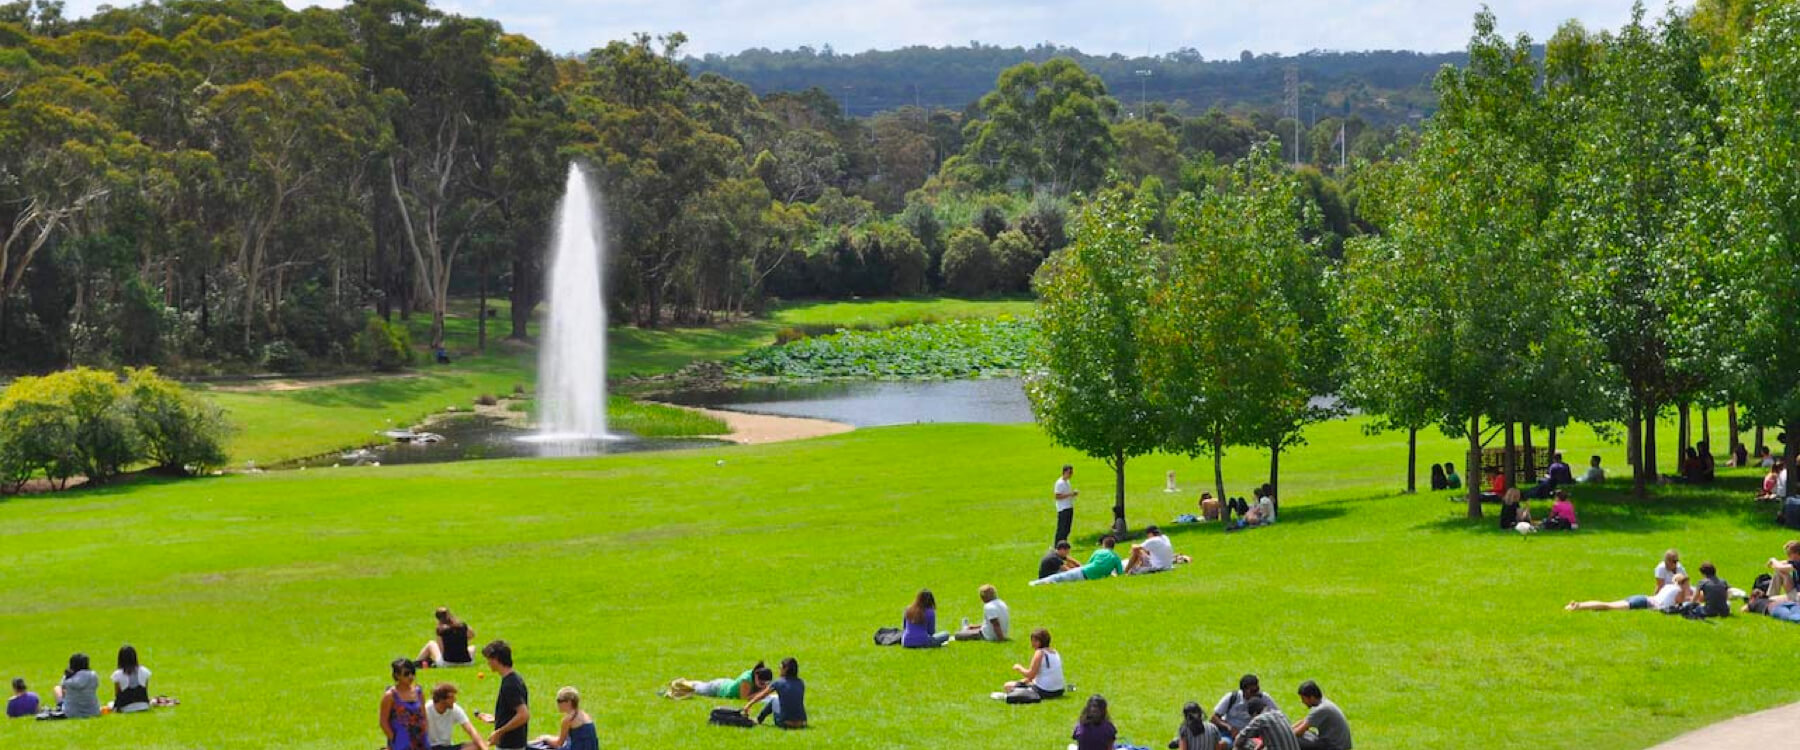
1046	124
1088	385
1758	167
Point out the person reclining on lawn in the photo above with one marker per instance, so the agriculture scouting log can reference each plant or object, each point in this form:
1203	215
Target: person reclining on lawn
1155	555
1761	604
1104	563
1675	593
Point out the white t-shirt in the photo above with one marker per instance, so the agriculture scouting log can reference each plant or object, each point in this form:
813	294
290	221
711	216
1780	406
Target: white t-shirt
1664	577
1267	505
995	610
1665	597
123	681
1161	552
440	729
1065	495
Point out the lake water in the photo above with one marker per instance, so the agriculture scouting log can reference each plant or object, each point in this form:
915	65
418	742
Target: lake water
874	403
473	437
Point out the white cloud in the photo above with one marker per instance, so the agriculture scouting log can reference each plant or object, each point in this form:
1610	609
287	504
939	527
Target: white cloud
1218	28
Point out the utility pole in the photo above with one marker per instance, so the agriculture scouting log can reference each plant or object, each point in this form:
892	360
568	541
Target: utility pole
1143	89
1290	86
847	89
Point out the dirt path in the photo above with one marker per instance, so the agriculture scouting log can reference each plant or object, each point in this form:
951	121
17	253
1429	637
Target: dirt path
301	384
749	429
1765	730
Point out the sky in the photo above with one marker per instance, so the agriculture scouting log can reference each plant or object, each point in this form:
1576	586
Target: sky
1217	28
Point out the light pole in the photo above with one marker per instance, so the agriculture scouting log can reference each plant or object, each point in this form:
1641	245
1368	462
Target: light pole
1143	90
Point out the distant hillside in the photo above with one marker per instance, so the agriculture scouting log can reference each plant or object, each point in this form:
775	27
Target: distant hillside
1383	87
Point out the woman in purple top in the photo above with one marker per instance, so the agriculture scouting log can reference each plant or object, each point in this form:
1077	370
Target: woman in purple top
918	628
1095	731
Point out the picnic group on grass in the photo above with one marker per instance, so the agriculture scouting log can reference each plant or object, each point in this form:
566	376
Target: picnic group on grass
412	719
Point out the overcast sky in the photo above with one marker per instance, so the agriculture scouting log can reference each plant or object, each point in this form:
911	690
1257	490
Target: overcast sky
1218	28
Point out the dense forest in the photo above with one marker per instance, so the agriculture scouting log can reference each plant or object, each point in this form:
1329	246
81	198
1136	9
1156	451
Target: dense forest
234	186
1382	87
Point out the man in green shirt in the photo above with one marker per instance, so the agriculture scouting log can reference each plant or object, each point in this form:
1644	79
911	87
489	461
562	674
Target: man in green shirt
1104	563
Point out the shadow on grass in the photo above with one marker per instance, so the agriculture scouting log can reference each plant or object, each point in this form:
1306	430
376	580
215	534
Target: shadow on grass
371	395
1611	508
1300	514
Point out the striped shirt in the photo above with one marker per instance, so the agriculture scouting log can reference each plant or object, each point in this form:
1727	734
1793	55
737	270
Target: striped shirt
1272	727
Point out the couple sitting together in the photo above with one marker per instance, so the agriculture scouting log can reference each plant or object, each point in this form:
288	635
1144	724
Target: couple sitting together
1155	555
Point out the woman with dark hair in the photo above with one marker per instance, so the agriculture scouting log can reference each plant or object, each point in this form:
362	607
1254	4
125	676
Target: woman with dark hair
131	683
752	681
919	623
788	700
1195	732
1438	483
1095	731
79	691
1042	680
452	646
403	709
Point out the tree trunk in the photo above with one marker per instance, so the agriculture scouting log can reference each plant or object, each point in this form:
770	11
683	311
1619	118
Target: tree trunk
1412	460
1731	424
1118	463
1509	465
1650	411
1531	458
481	306
1218	452
1760	444
1790	450
384	303
1634	442
1275	471
1472	485
205	309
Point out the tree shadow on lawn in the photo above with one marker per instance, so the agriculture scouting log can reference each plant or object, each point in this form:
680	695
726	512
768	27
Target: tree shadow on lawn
372	395
1299	514
1610	508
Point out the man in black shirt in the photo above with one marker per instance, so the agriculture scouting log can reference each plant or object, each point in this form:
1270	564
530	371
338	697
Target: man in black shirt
512	715
1056	561
1715	593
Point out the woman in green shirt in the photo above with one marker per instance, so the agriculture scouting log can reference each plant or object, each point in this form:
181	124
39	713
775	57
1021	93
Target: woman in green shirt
756	678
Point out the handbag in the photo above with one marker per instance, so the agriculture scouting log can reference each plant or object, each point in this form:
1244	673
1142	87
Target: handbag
730	717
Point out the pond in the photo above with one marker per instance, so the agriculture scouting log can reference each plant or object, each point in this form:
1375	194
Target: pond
874	403
474	437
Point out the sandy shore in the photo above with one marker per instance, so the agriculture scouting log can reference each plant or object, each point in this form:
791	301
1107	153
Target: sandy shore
754	429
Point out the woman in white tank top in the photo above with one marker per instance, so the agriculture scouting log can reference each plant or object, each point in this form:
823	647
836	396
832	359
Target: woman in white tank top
1043	679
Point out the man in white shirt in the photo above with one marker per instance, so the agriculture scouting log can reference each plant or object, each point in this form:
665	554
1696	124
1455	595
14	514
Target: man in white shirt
443	716
1594	473
1667	570
1065	504
1155	555
996	619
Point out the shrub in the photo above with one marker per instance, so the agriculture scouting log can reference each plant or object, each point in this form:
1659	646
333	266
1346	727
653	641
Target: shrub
1045	223
788	335
179	433
991	220
1015	259
383	346
968	263
68	423
486	399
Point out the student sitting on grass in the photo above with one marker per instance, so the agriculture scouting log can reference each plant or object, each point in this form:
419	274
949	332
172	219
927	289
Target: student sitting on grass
1666	570
452	647
1438	484
1210	507
1268	728
1155	555
919	623
756	678
1514	510
1324	727
1233	712
79	692
1594	473
1713	592
1043	680
1785	574
23	702
403	709
1195	732
443	716
1451	480
996	619
1057	561
1496	487
131	683
1770	487
1675	593
578	731
1104	563
1095	730
1263	512
1562	514
786	698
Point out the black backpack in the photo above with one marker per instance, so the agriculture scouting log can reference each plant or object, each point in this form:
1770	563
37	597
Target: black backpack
887	636
730	717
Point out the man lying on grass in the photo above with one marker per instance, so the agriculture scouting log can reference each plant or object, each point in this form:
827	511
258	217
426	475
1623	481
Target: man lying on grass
1676	592
1103	564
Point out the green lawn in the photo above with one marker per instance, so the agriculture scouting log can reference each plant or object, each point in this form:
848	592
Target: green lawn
271	604
275	426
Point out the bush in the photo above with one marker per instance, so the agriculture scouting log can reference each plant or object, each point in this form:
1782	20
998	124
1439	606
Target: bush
68	423
486	399
179	433
383	346
968	263
1015	259
991	220
1045	223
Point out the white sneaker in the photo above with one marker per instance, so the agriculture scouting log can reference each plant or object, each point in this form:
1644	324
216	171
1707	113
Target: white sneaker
997	696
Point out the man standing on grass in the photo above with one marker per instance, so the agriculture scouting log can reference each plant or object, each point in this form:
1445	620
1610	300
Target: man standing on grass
512	714
1065	504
